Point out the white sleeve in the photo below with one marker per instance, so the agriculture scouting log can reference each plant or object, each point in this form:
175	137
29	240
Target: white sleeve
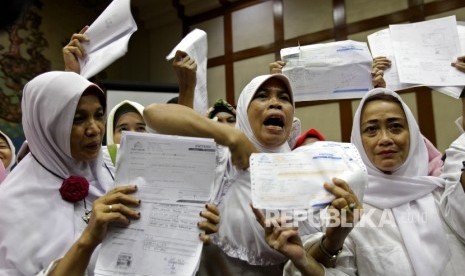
453	198
223	170
51	267
346	261
8	270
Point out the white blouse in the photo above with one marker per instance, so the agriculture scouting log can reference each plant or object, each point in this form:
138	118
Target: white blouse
375	247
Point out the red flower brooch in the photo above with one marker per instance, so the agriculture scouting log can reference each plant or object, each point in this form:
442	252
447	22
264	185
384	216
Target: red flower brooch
74	188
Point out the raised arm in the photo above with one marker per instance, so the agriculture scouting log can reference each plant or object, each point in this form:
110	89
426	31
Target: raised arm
377	71
176	119
185	68
74	50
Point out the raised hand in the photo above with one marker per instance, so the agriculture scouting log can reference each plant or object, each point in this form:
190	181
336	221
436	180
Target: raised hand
276	67
74	50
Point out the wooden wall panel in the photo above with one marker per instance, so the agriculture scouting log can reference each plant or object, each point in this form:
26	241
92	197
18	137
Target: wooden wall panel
417	10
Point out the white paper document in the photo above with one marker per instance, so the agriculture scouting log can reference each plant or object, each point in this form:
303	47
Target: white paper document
336	70
108	37
425	50
195	45
295	180
381	46
455	91
174	176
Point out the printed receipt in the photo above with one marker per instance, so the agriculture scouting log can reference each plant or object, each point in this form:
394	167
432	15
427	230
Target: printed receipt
295	180
174	176
335	70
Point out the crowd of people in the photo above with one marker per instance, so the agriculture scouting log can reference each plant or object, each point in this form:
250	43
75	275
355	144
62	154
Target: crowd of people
60	199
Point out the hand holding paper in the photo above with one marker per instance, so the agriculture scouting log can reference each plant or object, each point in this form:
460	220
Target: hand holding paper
74	51
336	70
421	54
174	176
195	45
108	37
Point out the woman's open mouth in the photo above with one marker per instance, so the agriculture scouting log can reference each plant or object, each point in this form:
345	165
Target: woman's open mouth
274	120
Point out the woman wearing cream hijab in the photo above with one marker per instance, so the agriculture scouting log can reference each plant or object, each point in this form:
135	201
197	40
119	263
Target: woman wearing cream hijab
125	116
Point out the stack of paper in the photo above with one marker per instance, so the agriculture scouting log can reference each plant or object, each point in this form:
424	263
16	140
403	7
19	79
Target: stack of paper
174	176
336	70
421	54
108	37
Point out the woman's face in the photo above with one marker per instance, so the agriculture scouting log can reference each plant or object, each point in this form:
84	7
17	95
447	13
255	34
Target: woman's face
226	118
385	134
130	121
271	113
88	129
5	152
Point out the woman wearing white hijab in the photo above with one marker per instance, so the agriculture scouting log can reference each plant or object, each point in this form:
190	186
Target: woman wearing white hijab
57	203
7	154
240	237
428	245
43	230
402	231
265	112
265	116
